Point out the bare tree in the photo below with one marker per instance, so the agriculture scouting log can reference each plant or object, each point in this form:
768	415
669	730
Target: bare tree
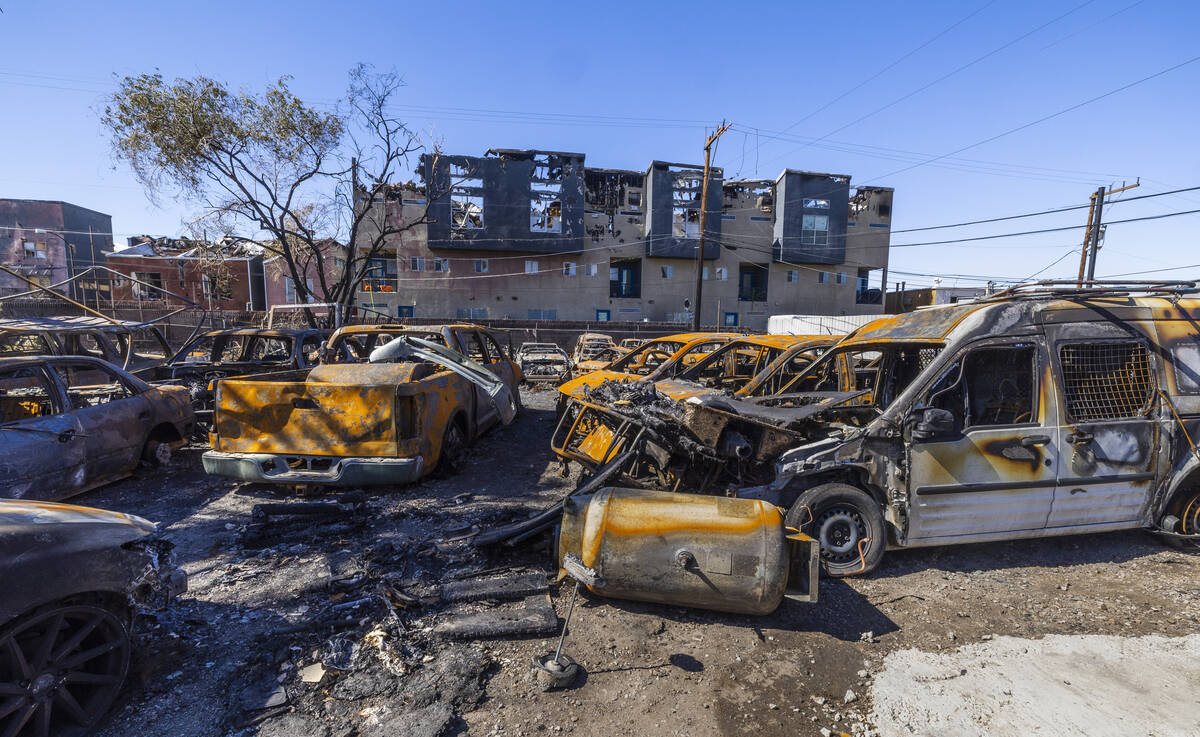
300	181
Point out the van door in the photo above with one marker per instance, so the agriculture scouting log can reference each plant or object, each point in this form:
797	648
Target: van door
994	470
1108	441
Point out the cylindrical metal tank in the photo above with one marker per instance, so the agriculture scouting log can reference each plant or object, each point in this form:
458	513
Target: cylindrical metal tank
682	549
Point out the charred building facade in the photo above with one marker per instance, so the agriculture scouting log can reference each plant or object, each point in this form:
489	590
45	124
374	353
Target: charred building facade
528	234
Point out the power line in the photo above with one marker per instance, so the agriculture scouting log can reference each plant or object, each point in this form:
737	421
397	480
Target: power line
1043	230
946	76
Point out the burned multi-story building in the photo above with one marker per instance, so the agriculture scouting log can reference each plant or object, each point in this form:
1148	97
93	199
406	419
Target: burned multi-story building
529	234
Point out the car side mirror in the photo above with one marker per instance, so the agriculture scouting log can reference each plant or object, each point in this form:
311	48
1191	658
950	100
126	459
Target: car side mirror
934	423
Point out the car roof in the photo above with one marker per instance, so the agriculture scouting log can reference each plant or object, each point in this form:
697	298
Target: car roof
14	361
268	332
776	341
66	323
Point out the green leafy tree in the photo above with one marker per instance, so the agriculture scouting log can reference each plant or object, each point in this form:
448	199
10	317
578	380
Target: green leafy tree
295	177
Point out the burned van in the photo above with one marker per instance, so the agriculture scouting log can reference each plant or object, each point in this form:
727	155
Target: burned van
1042	411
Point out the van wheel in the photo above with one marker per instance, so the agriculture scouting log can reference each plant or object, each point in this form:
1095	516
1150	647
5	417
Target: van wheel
1187	510
454	449
847	522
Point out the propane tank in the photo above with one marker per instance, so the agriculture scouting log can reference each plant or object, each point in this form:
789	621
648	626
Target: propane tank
690	550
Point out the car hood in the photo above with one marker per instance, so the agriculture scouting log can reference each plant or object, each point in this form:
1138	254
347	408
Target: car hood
577	386
19	512
680	390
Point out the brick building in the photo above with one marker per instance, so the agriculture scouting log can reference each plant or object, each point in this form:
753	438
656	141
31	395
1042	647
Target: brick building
50	241
222	276
529	234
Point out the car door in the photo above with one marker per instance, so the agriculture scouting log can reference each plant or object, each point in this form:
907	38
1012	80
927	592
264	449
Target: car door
472	347
41	446
499	361
995	470
112	417
1108	439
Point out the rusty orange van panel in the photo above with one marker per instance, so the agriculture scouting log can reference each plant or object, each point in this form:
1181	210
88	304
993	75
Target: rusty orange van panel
312	418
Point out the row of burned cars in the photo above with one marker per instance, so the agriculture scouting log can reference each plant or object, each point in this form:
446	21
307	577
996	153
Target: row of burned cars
84	402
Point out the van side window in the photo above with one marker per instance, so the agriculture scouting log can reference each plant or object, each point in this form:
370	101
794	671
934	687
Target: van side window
995	385
1106	381
1186	357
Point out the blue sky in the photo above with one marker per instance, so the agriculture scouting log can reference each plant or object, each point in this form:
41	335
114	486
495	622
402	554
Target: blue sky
596	77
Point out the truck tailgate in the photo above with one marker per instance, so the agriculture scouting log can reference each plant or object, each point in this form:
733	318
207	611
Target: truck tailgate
313	418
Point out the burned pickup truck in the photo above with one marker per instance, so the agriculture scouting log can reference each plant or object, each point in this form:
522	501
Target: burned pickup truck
219	354
412	408
1046	410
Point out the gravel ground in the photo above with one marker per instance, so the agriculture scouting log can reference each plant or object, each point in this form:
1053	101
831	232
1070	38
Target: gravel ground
227	660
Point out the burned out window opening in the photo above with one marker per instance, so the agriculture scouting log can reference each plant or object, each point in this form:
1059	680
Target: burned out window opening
685	203
1106	381
545	196
23	344
752	282
882	372
989	386
89	385
625	278
1186	359
25	393
813	204
154	281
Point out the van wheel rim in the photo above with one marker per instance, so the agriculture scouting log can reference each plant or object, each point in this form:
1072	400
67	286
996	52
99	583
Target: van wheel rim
60	670
1189	521
839	530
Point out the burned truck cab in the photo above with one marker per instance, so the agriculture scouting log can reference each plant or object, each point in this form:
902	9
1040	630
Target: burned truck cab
1047	410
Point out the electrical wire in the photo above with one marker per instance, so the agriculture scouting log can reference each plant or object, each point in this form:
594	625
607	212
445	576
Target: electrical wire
1043	230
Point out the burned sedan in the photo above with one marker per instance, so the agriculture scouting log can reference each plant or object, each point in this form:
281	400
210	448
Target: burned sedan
238	352
543	362
70	424
71	580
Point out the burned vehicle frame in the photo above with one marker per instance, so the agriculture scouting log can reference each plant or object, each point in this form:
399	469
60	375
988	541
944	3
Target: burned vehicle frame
1046	410
543	363
73	580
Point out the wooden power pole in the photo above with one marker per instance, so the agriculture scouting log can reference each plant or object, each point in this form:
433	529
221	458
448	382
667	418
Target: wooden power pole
708	142
1091	236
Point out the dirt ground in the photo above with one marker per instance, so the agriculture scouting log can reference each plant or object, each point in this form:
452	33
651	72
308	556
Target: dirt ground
235	655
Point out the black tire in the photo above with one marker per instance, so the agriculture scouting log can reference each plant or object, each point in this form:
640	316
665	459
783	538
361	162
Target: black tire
157	453
840	516
454	448
74	658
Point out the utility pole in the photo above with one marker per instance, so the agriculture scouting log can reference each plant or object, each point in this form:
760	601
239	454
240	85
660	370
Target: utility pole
1091	236
708	142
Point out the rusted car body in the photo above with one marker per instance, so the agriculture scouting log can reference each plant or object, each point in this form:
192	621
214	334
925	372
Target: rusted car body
131	345
1043	411
390	421
71	579
593	351
219	354
628	344
71	423
744	362
543	363
659	358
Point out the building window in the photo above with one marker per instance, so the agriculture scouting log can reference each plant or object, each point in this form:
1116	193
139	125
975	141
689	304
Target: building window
481	266
869	288
471	313
885	211
545	196
531	267
704	273
722	273
668	272
685	196
153	279
793	276
752	282
841	277
814	230
466	198
416	263
591	269
542	314
441	265
816	204
730	319
289	290
35	250
625	279
568	268
217	286
822	277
